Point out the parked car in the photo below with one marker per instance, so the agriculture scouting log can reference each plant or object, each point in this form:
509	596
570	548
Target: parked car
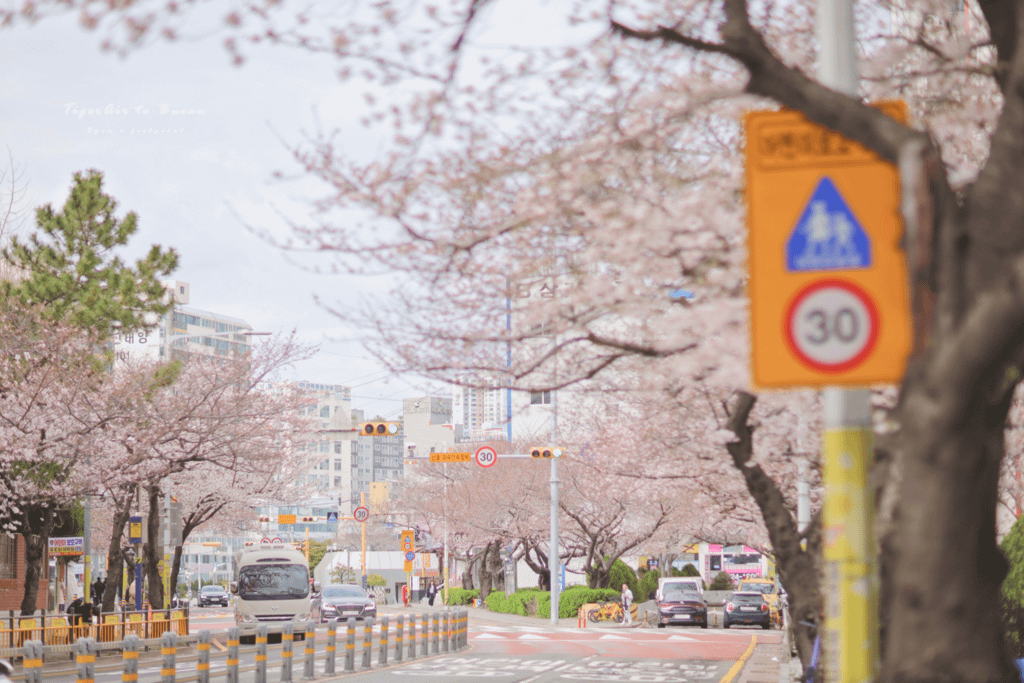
694	584
770	591
344	600
747	609
213	595
680	605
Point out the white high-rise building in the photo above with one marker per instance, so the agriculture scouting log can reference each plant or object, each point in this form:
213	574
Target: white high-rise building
185	331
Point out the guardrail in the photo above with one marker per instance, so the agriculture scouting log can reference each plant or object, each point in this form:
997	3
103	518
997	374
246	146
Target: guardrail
399	640
65	629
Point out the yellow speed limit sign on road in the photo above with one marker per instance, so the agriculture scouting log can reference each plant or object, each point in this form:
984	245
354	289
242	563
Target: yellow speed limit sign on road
829	296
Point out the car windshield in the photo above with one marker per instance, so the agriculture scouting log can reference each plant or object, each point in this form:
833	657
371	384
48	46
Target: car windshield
758	587
679	593
344	592
212	589
273	582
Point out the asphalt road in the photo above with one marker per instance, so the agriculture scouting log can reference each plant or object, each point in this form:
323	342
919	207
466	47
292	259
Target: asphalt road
502	648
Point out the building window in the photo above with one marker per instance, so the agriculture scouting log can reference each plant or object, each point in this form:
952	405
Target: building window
325	411
337	482
8	557
337	463
325	465
337	447
540	397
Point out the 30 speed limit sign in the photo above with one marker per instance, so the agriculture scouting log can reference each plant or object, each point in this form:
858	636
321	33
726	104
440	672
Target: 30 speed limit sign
832	325
361	514
485	456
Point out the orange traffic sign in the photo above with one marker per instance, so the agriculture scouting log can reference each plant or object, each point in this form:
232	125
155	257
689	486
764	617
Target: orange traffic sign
829	300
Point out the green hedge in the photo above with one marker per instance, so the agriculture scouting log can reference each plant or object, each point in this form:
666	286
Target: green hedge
461	596
570	602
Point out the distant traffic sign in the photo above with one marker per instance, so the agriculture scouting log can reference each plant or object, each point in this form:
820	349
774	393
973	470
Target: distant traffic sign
829	297
410	556
485	456
286	519
451	457
361	514
332	516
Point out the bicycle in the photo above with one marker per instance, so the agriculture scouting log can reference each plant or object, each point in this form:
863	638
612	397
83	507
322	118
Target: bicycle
608	611
811	672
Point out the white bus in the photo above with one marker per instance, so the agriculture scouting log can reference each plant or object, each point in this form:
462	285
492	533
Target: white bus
273	588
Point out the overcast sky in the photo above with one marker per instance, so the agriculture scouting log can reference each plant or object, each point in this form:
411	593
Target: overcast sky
189	176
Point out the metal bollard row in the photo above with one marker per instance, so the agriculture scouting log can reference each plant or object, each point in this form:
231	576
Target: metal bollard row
203	649
287	636
32	661
169	653
438	633
232	660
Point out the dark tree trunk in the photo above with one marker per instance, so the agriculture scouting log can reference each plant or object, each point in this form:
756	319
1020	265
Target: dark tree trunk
37	522
152	551
115	558
799	569
946	568
485	576
539	565
175	567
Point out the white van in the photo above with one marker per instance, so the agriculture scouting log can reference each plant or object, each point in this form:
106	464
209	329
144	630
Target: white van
689	583
272	587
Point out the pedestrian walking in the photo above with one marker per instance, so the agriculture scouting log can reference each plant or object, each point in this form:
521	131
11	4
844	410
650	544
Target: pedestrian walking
405	594
431	593
627	602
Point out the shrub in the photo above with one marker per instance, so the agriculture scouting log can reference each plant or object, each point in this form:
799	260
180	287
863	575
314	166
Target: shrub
722	582
1013	589
622	573
375	580
461	596
496	601
648	586
569	605
689	570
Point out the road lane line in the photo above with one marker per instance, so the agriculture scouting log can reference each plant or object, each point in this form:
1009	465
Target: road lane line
559	668
735	669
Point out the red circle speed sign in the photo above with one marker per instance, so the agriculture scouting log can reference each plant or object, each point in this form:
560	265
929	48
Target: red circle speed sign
832	325
485	456
361	514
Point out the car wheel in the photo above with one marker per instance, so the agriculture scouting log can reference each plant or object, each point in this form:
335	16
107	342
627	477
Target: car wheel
661	625
704	624
725	624
766	625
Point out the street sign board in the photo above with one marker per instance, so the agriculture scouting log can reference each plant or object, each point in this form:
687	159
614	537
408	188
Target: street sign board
361	514
332	516
286	519
485	456
135	529
408	536
829	297
66	546
451	457
410	556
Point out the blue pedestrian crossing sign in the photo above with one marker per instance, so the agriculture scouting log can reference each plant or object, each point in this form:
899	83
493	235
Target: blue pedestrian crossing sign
332	516
827	236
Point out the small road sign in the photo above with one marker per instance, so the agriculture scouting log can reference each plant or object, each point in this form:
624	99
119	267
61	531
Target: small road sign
832	325
829	290
332	516
361	514
485	456
451	457
410	556
286	519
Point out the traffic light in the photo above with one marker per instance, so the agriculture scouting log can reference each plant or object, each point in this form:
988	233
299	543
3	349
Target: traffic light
307	518
546	452
379	428
264	518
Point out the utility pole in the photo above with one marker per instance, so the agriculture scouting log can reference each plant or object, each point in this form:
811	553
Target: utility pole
851	633
554	561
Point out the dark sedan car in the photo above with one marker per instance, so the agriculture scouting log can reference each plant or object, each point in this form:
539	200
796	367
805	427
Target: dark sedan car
344	600
213	595
681	607
748	609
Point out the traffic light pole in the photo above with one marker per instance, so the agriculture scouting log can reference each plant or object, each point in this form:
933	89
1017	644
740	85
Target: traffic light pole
554	561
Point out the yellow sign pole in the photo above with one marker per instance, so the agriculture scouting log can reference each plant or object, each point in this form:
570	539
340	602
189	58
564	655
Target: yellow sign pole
851	589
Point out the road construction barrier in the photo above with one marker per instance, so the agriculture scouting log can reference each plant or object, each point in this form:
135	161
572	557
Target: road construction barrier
190	656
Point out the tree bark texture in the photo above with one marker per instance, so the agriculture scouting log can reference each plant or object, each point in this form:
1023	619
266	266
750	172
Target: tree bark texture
799	568
152	550
37	522
115	558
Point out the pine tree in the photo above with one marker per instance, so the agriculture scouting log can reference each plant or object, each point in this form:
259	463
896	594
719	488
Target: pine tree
69	267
